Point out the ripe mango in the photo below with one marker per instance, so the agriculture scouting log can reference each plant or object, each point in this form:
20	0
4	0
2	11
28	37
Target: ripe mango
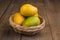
18	18
28	10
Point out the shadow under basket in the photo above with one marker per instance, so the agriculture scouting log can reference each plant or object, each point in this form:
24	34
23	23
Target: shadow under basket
27	30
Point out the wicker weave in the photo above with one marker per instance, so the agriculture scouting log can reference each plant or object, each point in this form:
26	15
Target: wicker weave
27	30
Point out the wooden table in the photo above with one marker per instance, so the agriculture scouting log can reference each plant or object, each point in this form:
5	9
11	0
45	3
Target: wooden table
50	11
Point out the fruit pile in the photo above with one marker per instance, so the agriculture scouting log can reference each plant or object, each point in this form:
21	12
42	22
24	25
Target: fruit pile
28	16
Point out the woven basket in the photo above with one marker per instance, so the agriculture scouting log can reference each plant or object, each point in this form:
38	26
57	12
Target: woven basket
27	30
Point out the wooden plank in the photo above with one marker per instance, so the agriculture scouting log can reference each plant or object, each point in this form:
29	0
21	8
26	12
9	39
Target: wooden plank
4	25
0	0
53	18
3	6
57	20
9	35
52	24
1	34
45	34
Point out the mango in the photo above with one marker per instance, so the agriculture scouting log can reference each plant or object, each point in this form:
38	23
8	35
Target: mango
18	18
28	10
31	21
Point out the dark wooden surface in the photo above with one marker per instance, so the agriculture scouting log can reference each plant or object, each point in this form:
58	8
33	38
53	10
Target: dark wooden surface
48	9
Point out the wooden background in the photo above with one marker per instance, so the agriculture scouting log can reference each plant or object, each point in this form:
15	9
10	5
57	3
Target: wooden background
49	9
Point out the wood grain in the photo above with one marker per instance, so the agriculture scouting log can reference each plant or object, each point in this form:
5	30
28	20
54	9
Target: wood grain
53	20
3	6
57	20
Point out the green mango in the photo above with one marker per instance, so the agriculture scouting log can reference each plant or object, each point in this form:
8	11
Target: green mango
31	21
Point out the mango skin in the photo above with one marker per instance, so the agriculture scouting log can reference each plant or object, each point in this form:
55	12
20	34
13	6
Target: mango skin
18	18
31	21
28	10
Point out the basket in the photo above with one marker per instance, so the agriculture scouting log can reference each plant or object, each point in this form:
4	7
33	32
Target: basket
27	30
